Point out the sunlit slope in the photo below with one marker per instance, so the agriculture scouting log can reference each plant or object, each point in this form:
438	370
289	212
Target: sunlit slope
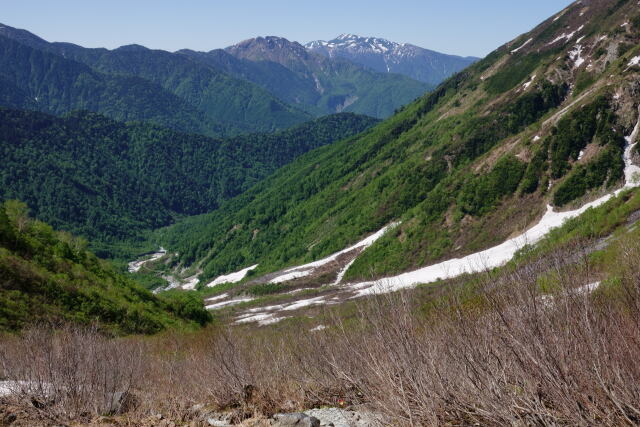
540	120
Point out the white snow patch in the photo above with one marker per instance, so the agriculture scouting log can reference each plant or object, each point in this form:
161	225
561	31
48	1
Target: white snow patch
521	46
190	283
304	303
576	56
135	266
10	387
229	303
342	272
266	315
549	300
217	297
581	155
566	36
536	138
501	254
631	171
263	319
307	269
318	328
527	84
634	61
232	277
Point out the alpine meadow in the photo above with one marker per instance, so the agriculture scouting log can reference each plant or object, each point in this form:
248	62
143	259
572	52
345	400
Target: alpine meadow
308	230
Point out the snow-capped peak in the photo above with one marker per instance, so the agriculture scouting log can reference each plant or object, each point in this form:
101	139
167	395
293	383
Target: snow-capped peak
357	44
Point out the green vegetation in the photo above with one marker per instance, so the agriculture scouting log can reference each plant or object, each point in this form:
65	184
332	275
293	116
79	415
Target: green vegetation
460	167
50	83
481	194
50	276
335	195
520	68
607	168
595	123
266	289
107	181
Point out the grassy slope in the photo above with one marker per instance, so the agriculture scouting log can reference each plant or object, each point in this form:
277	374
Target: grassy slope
426	165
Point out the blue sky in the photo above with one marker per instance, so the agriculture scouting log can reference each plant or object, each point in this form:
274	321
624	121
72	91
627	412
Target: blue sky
463	27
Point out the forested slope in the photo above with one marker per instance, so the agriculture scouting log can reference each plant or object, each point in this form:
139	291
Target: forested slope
107	180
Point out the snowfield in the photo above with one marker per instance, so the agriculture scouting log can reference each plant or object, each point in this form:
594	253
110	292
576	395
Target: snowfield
308	269
521	46
232	277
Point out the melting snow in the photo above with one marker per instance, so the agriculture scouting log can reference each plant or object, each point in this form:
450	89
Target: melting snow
229	303
232	277
217	297
527	84
190	283
566	36
536	138
581	155
576	56
634	61
307	269
263	319
501	254
522	45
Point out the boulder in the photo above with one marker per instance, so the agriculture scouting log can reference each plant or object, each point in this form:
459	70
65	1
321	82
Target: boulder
296	419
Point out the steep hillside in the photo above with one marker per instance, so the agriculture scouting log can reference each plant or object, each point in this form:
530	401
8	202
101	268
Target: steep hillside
46	276
108	180
313	82
541	120
385	56
135	83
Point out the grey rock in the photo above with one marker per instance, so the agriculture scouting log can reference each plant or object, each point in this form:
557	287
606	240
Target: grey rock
337	417
296	419
219	420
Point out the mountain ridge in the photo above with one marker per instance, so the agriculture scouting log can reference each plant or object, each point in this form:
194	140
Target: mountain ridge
202	99
387	56
312	82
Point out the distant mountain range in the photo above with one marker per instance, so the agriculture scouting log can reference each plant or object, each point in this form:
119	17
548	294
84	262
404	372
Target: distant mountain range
133	83
385	56
259	85
313	82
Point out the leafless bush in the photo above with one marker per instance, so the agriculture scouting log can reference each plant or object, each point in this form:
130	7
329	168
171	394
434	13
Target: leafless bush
496	352
71	372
